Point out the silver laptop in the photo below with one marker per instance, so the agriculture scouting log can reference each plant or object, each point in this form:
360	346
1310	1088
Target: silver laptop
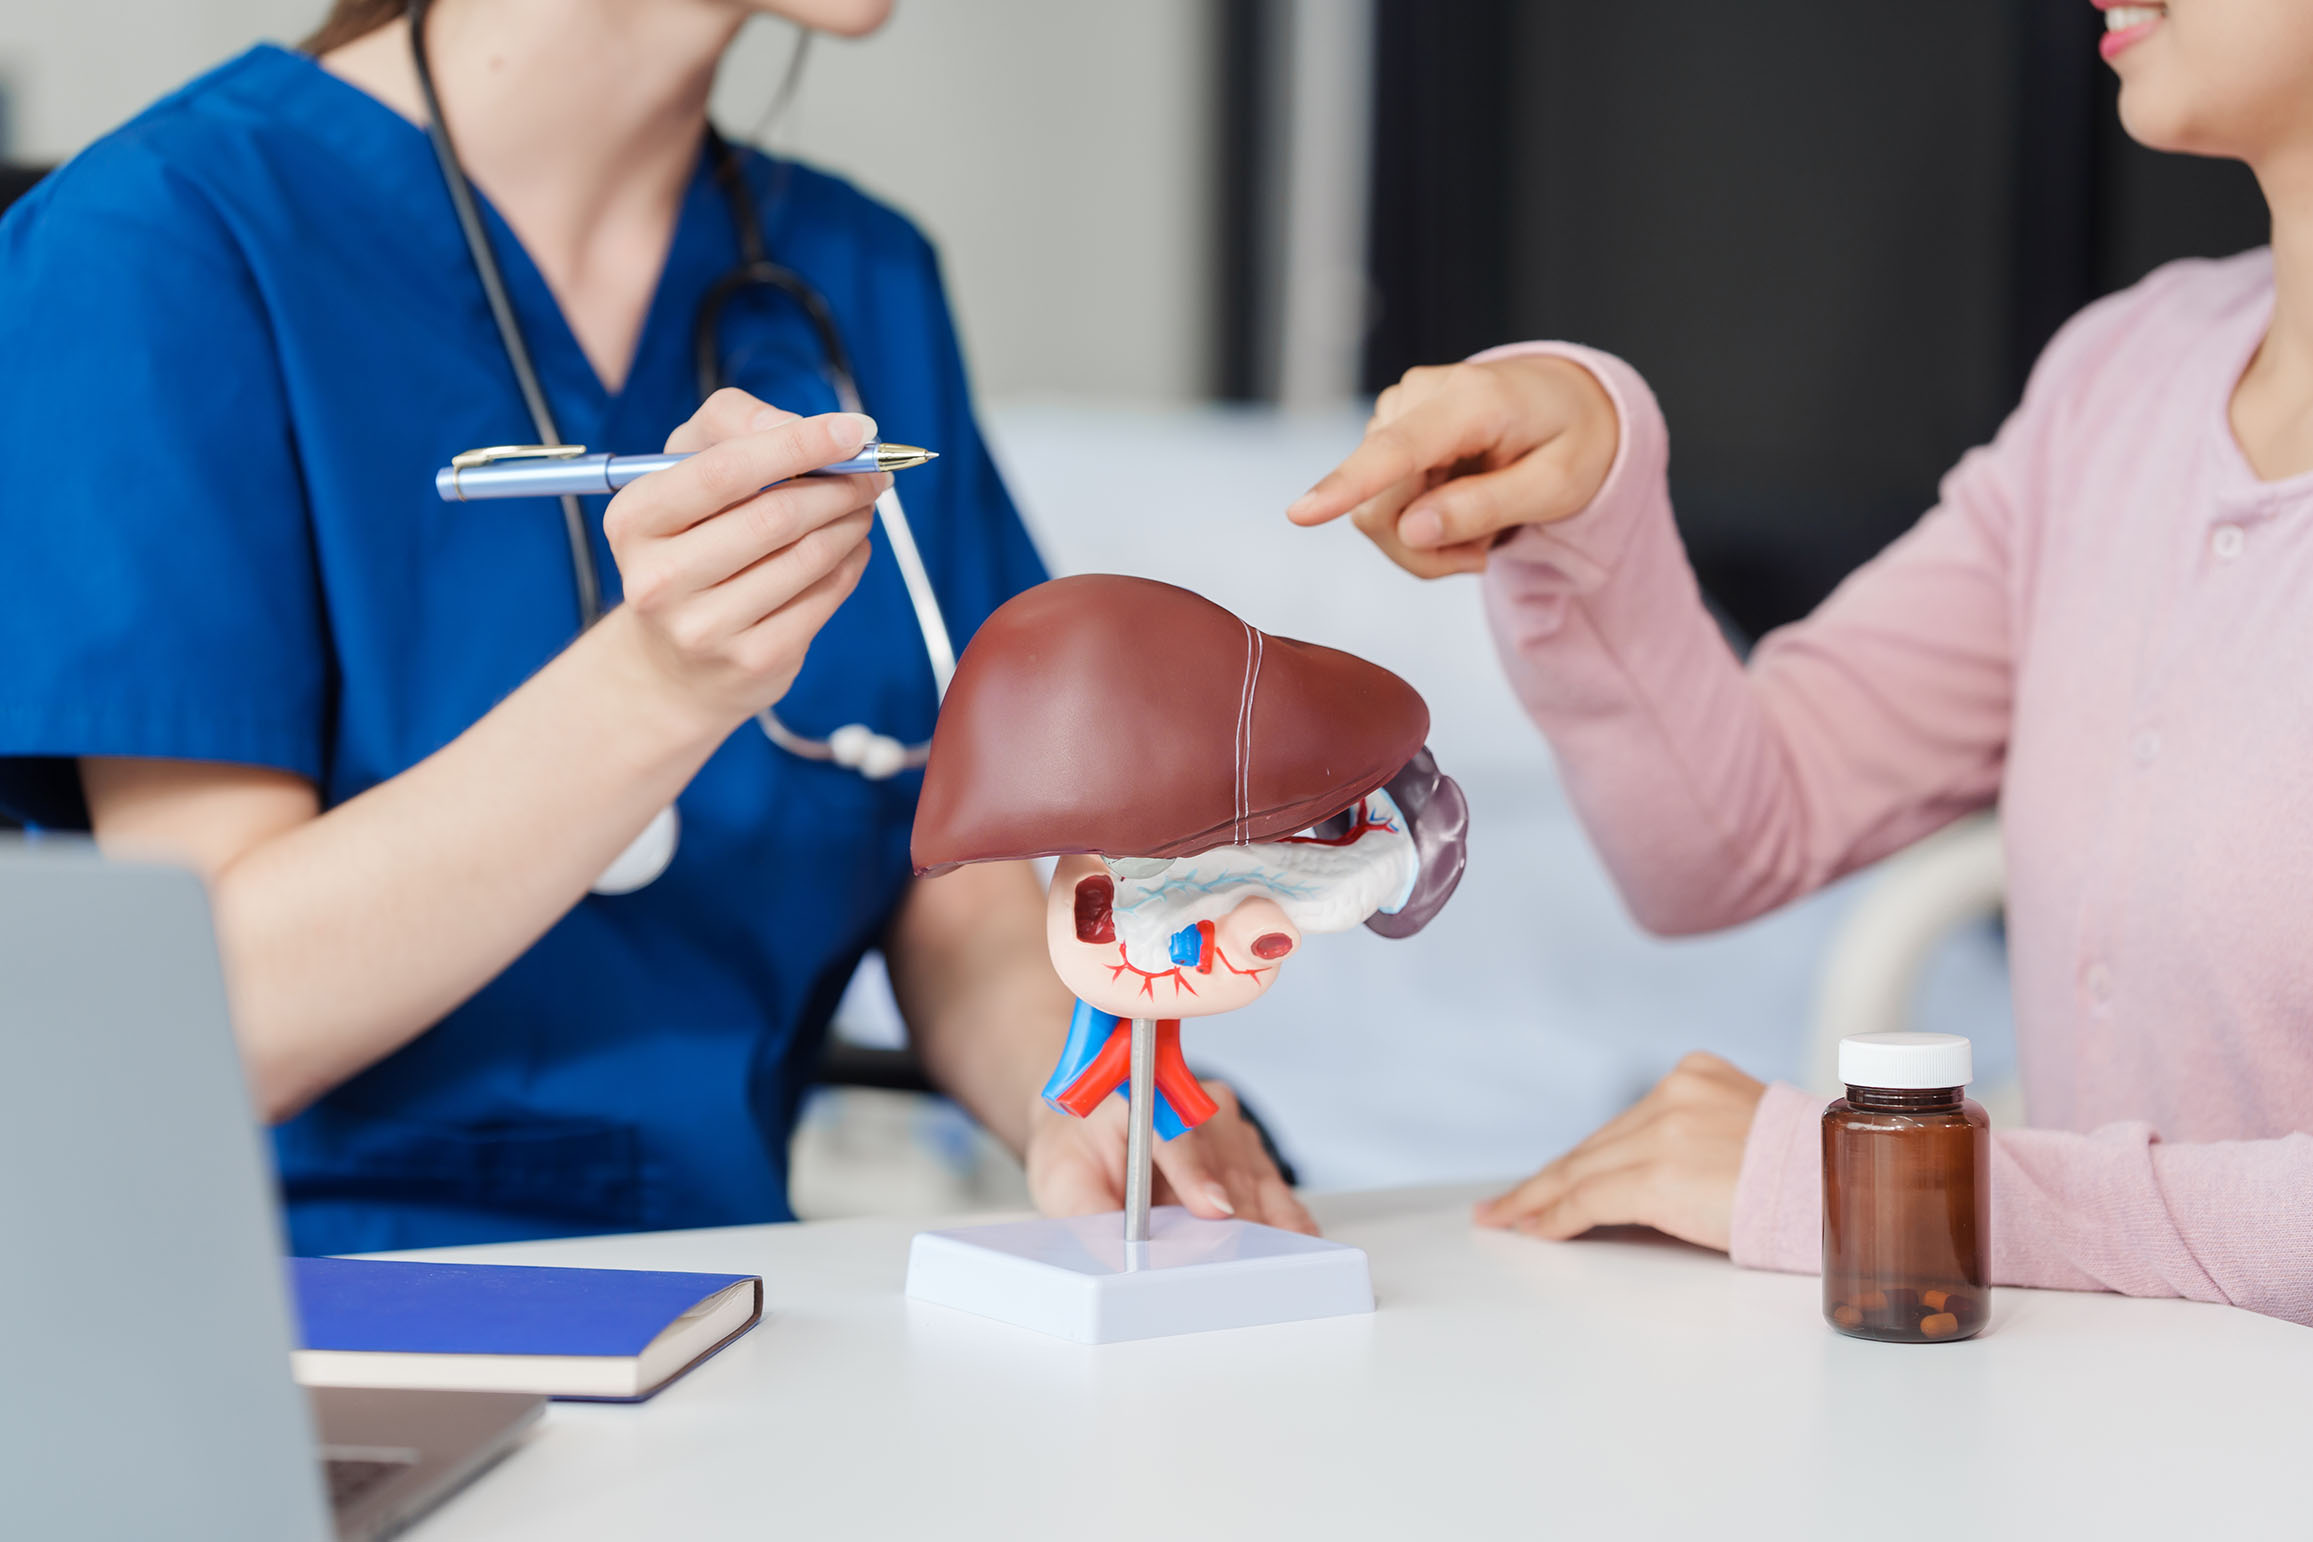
144	1331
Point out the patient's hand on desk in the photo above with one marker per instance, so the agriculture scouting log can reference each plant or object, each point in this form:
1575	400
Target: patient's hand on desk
1076	1167
1459	456
1668	1161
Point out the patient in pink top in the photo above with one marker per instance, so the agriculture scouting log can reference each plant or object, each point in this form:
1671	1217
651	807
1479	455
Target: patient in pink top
2105	627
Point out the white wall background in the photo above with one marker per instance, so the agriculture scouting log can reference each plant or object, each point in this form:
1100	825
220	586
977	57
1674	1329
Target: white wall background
1056	149
74	68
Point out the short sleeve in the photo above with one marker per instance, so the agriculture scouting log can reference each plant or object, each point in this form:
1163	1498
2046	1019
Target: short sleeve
161	591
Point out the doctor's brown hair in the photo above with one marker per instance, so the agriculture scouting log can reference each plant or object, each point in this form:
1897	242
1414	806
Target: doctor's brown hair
350	19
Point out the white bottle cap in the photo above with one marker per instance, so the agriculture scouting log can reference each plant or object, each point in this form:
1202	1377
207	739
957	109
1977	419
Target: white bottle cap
1906	1061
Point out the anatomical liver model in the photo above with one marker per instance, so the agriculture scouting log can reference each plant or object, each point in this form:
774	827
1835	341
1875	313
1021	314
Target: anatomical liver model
1214	796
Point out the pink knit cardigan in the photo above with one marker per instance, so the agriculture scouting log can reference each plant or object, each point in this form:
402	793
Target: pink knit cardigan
2106	627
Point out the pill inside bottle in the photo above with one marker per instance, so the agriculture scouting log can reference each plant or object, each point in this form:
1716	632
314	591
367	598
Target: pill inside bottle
1906	1192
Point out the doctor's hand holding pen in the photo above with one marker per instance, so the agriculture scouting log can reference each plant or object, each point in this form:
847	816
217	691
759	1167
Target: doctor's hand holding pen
727	577
349	931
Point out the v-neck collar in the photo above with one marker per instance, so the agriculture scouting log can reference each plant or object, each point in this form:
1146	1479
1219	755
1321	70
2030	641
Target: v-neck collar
547	330
398	156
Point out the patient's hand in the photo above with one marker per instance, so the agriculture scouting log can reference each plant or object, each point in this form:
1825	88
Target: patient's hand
1076	1167
1668	1161
1457	456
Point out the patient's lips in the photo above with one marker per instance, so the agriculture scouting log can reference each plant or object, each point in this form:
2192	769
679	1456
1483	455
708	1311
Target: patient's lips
2127	25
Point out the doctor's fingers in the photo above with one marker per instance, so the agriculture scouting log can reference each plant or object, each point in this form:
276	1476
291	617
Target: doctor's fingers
1076	1166
1281	1207
1221	1168
1258	1190
733	469
1076	1189
762	589
1183	1165
741	536
773	649
727	414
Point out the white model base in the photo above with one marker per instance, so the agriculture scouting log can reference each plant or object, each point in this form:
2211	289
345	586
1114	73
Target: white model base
1071	1276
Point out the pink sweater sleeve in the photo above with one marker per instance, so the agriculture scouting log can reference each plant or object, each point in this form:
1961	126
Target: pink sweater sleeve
2114	1209
1716	792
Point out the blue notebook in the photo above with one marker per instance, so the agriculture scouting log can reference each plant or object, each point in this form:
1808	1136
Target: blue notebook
611	1335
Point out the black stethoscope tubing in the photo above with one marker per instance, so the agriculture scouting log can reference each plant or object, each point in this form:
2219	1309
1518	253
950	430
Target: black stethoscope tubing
755	270
855	747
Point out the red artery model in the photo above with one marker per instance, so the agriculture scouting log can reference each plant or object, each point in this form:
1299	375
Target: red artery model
1098	1062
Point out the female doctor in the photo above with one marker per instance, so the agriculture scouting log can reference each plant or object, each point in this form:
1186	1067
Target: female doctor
240	333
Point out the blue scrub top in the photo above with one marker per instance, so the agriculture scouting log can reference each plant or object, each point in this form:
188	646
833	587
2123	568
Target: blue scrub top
238	336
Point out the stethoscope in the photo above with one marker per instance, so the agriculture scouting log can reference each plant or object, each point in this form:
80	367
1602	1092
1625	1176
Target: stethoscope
855	747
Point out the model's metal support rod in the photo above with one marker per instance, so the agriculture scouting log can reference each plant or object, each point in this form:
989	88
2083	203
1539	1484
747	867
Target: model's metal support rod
1138	1155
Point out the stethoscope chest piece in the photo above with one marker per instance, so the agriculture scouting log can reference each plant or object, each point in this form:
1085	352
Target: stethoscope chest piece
645	857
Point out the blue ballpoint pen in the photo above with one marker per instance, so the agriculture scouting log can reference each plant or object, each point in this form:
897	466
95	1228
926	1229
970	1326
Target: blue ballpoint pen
547	471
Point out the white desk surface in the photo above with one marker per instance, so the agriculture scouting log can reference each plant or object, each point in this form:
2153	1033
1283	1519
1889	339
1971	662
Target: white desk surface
1504	1387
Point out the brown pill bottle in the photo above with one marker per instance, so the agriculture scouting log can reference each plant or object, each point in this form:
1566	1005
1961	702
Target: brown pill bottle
1907	1189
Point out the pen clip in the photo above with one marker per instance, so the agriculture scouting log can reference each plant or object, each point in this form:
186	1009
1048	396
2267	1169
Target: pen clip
469	459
